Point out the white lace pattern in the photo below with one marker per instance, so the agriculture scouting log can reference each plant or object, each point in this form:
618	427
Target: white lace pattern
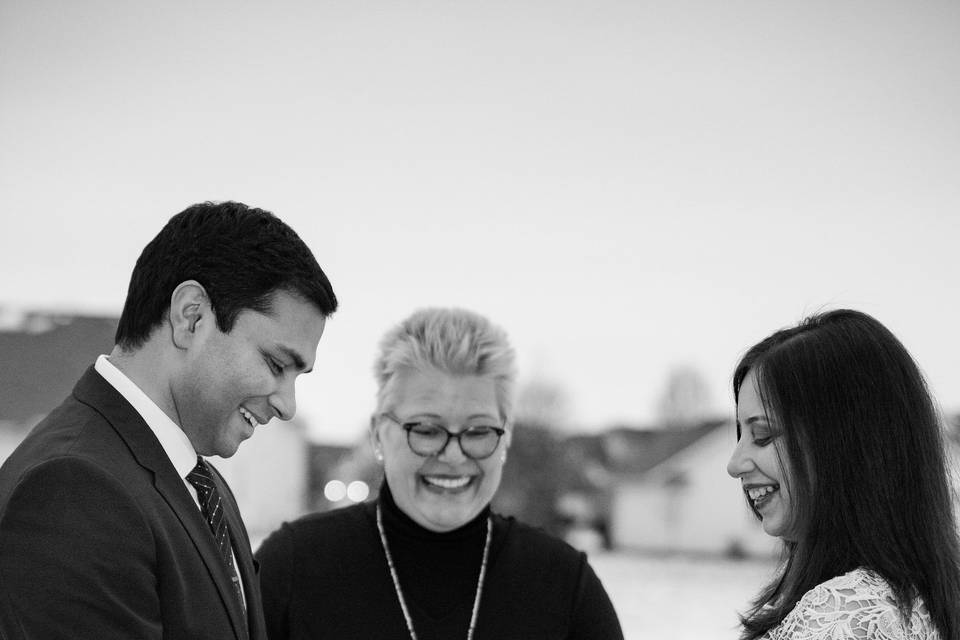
857	605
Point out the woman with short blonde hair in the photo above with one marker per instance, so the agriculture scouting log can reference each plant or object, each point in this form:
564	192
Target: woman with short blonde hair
428	558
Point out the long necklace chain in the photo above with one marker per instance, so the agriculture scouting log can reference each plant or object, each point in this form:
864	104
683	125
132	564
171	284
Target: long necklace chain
396	580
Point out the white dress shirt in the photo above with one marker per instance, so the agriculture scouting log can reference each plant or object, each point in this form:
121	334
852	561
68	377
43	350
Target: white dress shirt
172	438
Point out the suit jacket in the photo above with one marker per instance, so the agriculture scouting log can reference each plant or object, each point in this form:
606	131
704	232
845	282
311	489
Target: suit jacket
99	537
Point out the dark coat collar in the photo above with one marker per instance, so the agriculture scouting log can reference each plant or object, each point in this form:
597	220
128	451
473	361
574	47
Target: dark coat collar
99	394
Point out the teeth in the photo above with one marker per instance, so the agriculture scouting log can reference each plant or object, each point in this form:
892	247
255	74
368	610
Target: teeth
756	493
249	417
448	483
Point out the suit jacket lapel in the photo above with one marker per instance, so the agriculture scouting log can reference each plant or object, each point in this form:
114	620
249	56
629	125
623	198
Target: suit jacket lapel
171	488
246	565
93	390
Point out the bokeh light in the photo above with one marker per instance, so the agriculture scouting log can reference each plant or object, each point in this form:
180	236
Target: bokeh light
335	491
358	491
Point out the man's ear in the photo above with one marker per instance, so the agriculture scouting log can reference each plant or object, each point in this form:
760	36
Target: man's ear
190	311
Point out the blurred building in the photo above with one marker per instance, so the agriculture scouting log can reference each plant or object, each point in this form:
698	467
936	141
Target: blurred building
268	477
42	355
662	491
685	501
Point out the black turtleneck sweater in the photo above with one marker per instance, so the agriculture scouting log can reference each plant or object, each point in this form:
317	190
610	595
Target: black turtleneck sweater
326	576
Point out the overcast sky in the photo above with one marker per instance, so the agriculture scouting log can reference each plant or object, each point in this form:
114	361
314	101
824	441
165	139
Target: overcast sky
625	186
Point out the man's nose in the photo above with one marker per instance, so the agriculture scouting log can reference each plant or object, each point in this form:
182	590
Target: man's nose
284	400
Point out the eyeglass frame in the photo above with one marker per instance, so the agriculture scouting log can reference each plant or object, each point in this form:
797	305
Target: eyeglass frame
409	426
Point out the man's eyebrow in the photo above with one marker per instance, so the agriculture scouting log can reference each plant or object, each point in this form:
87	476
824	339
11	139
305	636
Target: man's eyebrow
295	357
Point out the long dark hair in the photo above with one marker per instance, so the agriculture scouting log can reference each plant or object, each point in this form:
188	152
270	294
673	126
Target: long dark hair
869	481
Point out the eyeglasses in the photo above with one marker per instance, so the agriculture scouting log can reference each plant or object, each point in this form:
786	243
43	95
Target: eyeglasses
428	439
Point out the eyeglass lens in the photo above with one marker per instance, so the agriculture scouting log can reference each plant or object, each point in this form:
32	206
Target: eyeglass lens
476	442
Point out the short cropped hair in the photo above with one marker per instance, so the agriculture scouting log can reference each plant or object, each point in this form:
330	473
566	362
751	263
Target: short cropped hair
453	341
241	255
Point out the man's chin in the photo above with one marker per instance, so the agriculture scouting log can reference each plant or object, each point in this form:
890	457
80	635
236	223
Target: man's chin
227	449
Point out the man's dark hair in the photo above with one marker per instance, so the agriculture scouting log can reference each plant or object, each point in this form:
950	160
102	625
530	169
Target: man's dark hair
242	256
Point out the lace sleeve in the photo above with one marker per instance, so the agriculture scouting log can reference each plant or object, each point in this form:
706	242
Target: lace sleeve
858	605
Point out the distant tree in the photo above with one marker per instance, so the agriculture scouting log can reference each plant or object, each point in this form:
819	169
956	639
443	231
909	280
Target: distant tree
537	471
542	403
685	400
534	477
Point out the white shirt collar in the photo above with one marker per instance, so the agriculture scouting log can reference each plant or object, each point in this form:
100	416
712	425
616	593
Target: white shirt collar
172	438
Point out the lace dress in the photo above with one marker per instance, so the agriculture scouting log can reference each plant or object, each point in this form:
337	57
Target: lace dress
859	604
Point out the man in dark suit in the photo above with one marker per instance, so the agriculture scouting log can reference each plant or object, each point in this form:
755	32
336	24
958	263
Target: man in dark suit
111	523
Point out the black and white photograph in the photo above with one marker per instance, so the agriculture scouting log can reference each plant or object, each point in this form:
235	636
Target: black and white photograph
487	320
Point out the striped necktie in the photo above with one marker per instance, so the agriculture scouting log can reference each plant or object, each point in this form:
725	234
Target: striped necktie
211	505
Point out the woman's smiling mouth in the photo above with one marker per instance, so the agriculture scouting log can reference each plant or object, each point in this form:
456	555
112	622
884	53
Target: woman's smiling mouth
760	495
447	483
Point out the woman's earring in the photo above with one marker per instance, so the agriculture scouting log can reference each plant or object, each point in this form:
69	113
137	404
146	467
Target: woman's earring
378	455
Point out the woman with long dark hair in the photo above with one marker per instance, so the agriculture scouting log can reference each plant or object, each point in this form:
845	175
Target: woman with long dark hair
840	452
